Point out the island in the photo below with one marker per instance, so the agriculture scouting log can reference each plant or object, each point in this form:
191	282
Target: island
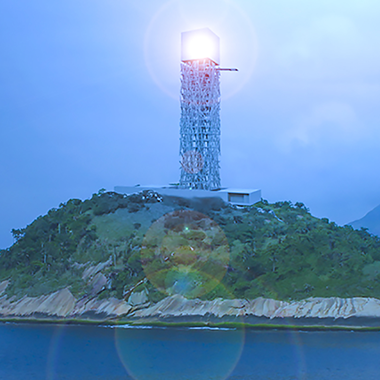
148	259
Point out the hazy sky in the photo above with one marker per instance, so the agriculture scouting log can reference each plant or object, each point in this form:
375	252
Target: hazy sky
89	99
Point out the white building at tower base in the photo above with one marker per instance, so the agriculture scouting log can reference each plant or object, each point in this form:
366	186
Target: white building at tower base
239	197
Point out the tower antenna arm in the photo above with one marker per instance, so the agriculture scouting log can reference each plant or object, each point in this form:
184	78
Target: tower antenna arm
225	69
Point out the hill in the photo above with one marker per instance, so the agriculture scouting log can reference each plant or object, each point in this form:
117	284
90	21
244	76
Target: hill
151	246
371	221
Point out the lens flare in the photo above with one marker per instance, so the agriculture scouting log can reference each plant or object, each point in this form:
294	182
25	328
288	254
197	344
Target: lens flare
174	353
192	162
54	351
185	252
200	47
238	39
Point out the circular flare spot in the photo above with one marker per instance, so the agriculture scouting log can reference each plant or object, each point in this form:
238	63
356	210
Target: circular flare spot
185	252
192	162
238	42
198	352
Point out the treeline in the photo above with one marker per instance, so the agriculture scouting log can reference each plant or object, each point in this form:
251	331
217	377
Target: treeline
281	251
45	250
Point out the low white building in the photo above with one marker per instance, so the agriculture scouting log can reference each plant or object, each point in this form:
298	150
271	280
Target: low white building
239	197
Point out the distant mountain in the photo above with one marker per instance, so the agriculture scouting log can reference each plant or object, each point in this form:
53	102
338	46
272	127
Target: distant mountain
370	221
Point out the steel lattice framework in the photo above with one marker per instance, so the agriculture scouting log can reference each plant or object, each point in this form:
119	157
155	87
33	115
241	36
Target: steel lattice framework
200	125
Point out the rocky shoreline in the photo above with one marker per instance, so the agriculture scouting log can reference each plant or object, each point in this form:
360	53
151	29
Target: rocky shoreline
334	312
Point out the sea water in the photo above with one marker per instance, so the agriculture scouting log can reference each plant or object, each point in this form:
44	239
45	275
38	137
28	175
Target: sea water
34	352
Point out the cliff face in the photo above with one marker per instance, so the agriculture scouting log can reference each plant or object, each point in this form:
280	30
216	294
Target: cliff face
177	306
63	304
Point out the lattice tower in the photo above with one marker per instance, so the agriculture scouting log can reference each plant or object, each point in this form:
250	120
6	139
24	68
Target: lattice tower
200	125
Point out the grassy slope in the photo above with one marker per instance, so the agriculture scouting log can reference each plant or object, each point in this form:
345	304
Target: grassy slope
276	250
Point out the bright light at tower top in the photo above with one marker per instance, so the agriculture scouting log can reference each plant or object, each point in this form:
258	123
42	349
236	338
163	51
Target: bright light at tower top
200	44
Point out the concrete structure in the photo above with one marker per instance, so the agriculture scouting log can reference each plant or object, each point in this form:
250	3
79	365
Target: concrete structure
239	197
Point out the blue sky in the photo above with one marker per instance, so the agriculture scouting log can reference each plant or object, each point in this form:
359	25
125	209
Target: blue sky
89	99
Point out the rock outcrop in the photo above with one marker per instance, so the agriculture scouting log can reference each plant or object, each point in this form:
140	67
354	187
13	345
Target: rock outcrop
91	271
3	286
138	298
59	304
178	306
62	304
108	308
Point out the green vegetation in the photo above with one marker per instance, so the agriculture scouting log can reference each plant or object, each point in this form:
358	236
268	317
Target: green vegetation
225	325
253	326
275	251
185	252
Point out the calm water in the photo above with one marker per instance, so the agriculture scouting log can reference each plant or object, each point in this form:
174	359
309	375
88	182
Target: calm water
87	352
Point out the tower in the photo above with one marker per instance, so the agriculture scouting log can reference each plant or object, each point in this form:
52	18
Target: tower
200	125
200	106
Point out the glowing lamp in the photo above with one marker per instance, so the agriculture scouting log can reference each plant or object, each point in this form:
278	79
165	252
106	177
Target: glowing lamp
200	44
